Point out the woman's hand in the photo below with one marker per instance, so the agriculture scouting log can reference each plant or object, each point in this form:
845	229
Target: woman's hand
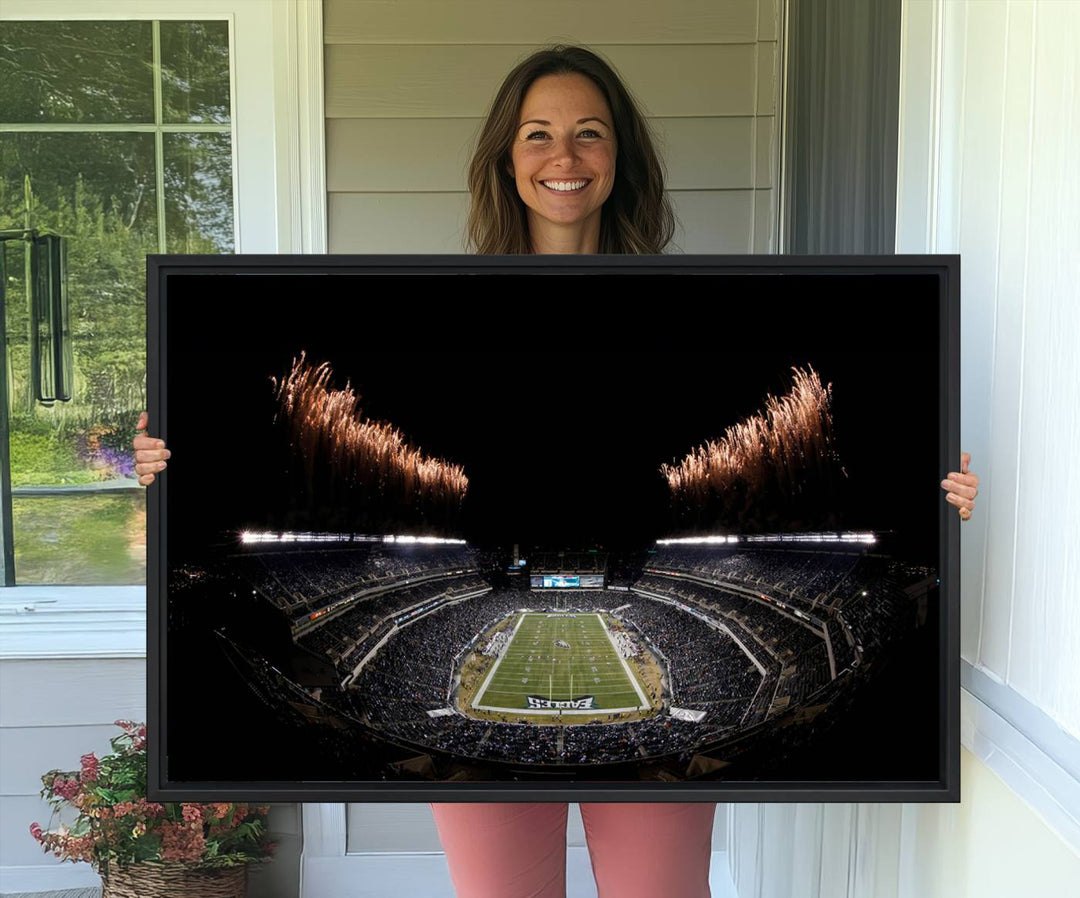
150	454
961	487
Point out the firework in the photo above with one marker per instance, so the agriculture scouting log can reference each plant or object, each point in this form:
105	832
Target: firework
327	427
771	450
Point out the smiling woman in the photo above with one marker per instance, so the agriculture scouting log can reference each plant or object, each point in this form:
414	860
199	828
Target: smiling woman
565	163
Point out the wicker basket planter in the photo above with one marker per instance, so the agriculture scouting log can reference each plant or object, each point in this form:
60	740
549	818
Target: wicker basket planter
160	880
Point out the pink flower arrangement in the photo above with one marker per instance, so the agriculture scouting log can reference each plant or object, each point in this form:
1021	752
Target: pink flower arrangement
66	789
182	842
89	768
116	824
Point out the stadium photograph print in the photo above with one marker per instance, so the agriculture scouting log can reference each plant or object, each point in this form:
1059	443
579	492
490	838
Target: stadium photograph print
473	563
645	567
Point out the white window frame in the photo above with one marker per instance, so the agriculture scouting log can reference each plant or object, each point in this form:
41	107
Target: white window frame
279	204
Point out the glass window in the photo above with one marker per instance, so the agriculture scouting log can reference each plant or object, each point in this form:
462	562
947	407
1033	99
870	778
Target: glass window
118	137
77	72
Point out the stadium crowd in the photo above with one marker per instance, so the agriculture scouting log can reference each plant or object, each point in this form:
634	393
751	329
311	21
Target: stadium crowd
300	578
741	634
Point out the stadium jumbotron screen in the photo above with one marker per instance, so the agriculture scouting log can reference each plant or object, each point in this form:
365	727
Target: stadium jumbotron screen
376	566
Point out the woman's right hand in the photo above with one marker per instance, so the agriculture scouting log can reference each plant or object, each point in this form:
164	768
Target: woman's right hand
150	453
961	487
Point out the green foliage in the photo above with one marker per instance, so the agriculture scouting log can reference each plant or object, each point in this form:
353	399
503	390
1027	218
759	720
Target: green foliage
81	539
38	458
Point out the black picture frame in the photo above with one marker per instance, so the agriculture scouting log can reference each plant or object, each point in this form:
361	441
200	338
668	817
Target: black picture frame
606	277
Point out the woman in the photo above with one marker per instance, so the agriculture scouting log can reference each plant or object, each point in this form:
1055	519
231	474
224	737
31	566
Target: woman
565	164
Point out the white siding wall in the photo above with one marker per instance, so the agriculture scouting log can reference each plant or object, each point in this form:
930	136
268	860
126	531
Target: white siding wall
1013	211
989	150
408	83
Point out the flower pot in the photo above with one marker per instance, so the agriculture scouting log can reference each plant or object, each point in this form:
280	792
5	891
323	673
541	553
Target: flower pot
171	880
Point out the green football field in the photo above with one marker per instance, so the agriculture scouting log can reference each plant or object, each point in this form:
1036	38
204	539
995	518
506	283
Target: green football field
558	658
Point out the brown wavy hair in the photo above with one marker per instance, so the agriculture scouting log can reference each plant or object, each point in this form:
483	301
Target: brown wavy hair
637	216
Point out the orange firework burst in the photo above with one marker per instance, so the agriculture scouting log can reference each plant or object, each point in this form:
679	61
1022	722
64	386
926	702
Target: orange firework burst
774	447
328	424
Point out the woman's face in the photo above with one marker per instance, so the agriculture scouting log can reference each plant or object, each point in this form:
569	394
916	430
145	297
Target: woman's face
563	155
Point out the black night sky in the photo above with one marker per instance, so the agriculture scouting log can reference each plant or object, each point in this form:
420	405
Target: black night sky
560	394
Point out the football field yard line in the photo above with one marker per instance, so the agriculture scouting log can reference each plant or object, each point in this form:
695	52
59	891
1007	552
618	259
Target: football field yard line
633	680
498	661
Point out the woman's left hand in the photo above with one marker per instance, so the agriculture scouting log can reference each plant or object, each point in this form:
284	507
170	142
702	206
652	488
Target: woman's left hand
962	487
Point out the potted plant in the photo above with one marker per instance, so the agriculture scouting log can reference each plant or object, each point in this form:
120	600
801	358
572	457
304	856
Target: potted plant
143	848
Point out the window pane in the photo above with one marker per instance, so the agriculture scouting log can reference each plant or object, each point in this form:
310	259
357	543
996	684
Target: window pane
79	516
76	72
195	72
198	193
97	190
81	540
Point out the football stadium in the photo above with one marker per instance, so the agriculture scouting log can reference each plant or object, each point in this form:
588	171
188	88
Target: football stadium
447	650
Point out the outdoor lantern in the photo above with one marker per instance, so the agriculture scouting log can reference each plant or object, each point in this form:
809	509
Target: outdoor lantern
51	358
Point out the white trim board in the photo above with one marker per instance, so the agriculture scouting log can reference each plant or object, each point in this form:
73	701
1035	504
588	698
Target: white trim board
301	126
1058	745
40	622
1027	768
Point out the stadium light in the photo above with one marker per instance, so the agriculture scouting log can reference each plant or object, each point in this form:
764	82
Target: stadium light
850	537
861	538
251	536
698	541
426	540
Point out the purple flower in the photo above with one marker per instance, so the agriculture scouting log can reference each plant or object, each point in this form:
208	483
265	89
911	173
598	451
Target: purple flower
118	463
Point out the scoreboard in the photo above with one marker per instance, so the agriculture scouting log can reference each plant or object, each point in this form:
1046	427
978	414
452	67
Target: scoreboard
566	581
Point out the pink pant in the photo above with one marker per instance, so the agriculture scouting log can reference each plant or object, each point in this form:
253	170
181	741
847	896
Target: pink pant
500	850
